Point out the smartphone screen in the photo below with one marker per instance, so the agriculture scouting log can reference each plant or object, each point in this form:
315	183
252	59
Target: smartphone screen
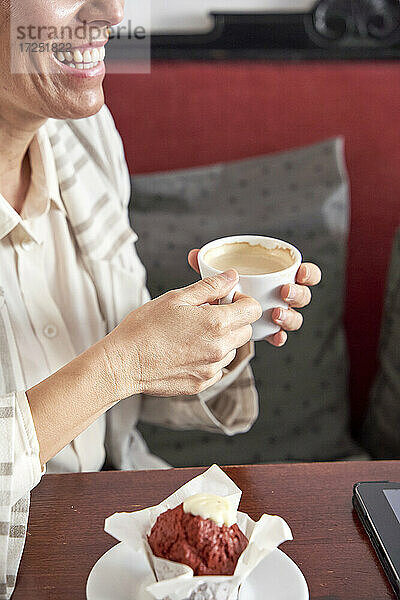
393	497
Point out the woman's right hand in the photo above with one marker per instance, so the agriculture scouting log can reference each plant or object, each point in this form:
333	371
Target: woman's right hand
179	343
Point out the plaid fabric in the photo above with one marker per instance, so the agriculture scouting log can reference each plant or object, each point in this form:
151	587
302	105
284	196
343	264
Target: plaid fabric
14	506
13	519
95	188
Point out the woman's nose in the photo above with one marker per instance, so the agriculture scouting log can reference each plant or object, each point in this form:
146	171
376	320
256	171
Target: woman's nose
108	12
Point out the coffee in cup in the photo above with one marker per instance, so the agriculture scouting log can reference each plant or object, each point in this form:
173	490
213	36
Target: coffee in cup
249	259
264	265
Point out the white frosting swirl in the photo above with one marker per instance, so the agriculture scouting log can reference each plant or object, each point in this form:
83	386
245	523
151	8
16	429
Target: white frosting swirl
209	506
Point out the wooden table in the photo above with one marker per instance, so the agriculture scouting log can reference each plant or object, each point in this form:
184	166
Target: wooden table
66	534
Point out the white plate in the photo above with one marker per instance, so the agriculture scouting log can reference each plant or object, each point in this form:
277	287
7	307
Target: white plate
121	574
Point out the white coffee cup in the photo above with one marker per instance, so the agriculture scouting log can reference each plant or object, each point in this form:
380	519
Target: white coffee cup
265	288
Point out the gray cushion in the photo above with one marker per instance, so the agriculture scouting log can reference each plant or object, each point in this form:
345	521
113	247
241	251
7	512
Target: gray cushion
382	425
300	196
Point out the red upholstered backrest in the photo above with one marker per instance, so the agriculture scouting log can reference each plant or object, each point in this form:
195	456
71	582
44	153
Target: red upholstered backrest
192	113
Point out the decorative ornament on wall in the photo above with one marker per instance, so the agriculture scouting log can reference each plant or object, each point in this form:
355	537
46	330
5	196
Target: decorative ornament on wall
355	23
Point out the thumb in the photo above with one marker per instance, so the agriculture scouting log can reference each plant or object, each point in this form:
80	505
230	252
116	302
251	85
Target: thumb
209	289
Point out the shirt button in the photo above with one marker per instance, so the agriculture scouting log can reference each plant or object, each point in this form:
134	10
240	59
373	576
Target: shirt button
50	331
27	244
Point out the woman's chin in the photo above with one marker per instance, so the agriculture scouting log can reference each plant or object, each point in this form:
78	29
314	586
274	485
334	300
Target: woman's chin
86	106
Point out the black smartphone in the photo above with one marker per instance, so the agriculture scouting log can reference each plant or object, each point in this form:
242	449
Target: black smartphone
377	504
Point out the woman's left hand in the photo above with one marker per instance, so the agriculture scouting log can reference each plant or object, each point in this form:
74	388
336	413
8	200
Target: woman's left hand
297	295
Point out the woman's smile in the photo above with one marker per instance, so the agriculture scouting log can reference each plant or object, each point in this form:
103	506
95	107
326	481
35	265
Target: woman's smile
55	55
85	61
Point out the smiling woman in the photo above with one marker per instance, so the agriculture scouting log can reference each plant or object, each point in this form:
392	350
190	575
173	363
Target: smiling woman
78	333
40	34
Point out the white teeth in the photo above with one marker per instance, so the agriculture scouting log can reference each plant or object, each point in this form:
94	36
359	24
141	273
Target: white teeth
82	59
78	58
87	56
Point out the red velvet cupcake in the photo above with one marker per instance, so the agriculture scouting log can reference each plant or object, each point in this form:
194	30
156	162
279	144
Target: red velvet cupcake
210	542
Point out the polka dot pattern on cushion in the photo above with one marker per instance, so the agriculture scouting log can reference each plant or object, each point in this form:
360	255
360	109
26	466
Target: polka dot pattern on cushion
300	196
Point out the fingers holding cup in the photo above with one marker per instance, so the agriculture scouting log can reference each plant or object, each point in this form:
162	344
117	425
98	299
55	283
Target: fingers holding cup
309	274
297	296
277	339
288	319
193	260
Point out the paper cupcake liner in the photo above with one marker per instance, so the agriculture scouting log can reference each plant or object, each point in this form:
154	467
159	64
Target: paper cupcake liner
175	581
206	591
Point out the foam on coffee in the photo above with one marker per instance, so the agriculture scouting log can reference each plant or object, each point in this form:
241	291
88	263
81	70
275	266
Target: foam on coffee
249	259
